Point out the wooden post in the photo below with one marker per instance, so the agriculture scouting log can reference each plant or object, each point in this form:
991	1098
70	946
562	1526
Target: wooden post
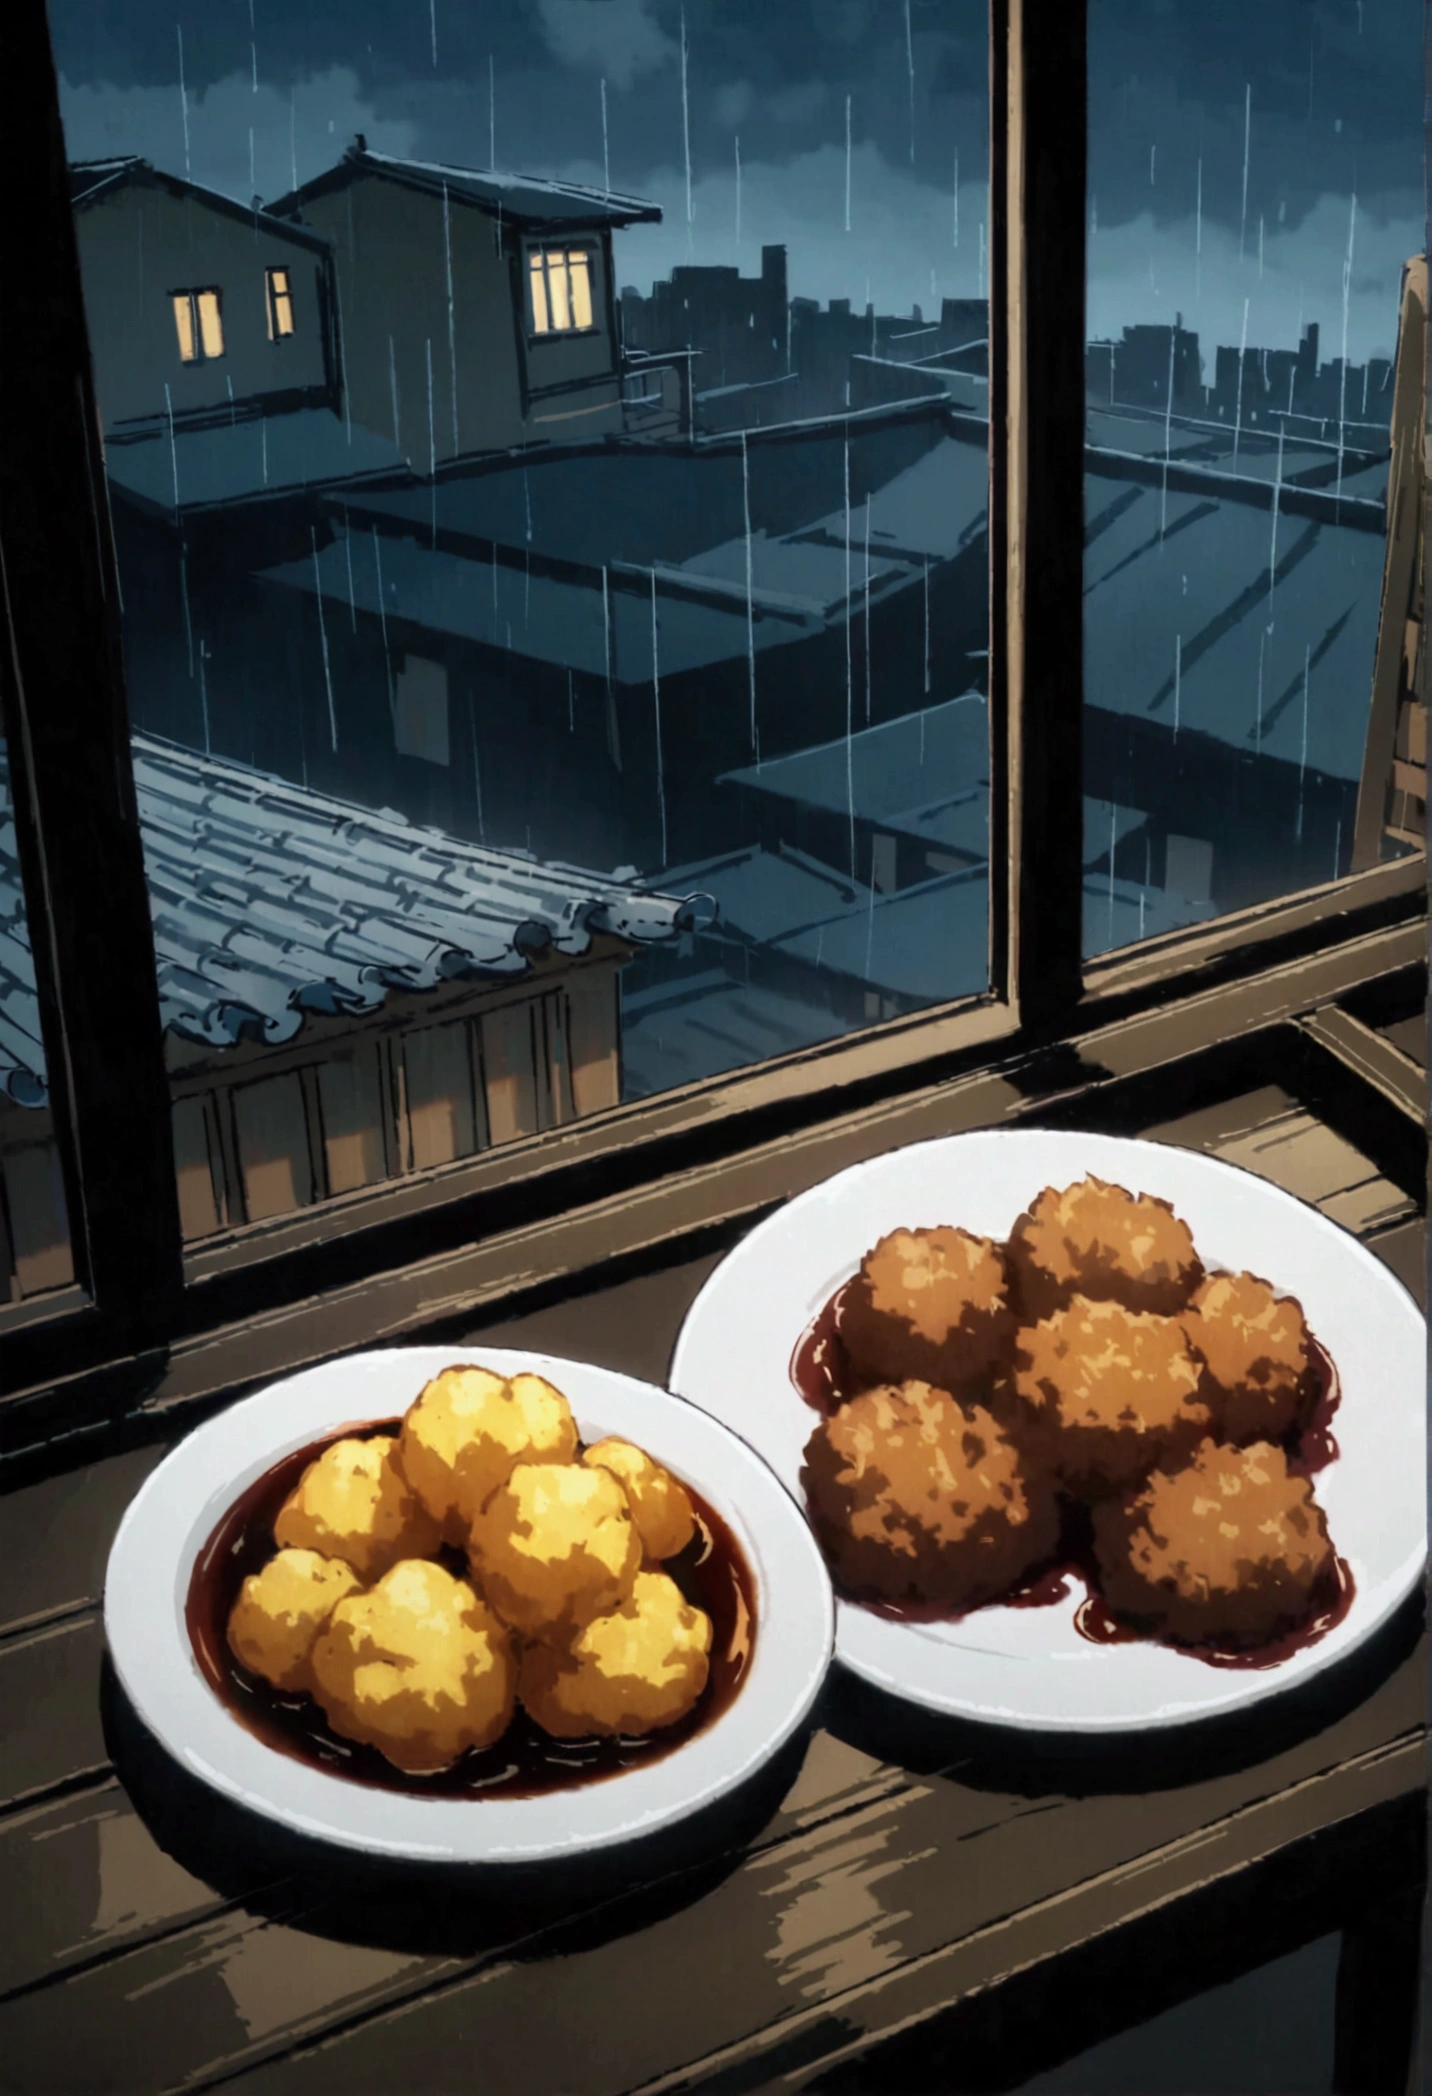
1396	672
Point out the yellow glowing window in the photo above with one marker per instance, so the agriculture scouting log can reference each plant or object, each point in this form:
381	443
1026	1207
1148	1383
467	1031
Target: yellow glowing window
280	303
561	284
199	325
184	323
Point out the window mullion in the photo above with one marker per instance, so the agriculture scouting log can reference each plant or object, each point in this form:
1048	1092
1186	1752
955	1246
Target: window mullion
1037	208
66	724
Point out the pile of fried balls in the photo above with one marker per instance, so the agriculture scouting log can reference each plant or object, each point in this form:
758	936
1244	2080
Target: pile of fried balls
564	1610
1088	1361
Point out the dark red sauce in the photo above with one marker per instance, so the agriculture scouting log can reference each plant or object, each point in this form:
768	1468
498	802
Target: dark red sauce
711	1572
820	1366
1315	1447
822	1372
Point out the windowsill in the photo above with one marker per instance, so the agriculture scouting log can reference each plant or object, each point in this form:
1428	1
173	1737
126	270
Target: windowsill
469	1274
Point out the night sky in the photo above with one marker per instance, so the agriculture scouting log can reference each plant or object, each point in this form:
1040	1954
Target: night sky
1327	92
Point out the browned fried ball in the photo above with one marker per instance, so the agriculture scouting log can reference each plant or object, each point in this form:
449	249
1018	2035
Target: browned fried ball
281	1610
353	1502
927	1306
1104	1243
917	1499
1228	1548
555	1547
660	1504
1259	1380
418	1667
468	1429
1110	1393
638	1668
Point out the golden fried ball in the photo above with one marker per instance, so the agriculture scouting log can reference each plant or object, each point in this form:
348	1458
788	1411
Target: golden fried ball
1111	1392
554	1547
467	1430
660	1506
927	1306
1228	1547
1104	1243
275	1622
916	1498
418	1667
354	1503
638	1667
1259	1379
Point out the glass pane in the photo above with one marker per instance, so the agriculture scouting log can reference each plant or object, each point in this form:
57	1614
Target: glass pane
1255	190
34	1227
555	603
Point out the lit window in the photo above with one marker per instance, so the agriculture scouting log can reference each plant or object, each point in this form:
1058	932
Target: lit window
199	325
280	303
561	280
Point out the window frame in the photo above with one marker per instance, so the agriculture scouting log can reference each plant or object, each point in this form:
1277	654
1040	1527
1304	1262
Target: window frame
537	255
274	299
147	1321
191	295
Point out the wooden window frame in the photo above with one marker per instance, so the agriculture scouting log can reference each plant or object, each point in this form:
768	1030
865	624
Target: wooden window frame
278	302
148	1324
192	294
537	254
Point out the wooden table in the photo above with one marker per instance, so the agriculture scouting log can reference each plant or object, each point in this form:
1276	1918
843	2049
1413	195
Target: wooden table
904	1907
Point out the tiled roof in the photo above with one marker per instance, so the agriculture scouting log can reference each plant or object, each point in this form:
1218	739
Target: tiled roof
524	199
270	901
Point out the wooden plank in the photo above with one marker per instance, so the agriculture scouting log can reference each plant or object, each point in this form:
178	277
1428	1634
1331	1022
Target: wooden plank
1405	1251
52	1677
1410	1036
165	2014
820	1926
55	1536
1267	1132
1372	1058
1405	484
240	1986
83	1877
881	2008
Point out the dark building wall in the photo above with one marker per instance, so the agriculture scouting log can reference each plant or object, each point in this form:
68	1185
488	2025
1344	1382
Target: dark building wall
391	248
140	244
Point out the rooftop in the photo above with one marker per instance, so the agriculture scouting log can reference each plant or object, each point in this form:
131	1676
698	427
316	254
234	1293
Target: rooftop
91	181
240	453
528	200
271	901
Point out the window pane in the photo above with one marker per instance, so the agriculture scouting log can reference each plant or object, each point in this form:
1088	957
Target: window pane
34	1228
557	290
539	296
581	283
211	328
1255	189
556	617
184	325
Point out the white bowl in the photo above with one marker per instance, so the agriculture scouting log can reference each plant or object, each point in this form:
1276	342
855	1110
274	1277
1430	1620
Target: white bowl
173	1515
1030	1667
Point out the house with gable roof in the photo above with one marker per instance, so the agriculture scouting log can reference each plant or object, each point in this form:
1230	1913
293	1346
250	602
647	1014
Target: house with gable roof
478	310
200	307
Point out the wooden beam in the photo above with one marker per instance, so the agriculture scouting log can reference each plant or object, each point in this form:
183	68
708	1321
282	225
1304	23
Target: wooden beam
65	720
1406	489
1037	190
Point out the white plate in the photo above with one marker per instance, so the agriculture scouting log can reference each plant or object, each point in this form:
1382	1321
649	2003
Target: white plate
1030	1667
182	1503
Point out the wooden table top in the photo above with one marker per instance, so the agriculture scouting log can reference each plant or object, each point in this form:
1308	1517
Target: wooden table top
894	1884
